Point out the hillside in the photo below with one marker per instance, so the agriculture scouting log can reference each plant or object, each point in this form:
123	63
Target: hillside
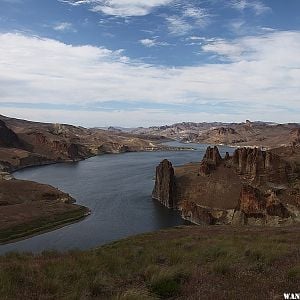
24	143
185	263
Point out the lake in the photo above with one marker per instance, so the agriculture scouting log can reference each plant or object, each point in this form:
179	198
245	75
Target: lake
117	188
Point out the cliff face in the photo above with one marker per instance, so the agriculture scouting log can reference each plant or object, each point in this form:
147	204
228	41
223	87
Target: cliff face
251	202
261	166
266	207
164	189
250	187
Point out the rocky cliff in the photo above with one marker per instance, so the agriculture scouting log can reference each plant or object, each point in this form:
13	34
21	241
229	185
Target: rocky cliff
250	187
164	189
261	166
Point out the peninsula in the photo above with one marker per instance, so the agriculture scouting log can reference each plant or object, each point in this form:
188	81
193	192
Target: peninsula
250	187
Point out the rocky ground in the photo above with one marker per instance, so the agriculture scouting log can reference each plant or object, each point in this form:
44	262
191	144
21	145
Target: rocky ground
186	263
250	187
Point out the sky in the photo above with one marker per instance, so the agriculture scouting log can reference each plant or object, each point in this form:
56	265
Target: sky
150	62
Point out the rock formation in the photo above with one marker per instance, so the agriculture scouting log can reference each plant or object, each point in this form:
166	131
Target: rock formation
202	215
261	166
251	202
164	189
250	187
210	161
213	155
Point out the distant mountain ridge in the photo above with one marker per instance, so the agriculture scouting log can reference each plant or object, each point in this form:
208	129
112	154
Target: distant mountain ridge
261	134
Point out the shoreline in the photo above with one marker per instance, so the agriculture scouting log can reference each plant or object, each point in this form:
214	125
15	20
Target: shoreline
61	222
47	163
51	226
65	222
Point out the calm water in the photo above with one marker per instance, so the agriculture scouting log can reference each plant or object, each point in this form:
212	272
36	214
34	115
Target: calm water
117	189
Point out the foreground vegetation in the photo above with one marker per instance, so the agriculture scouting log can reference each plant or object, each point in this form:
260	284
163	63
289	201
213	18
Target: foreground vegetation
186	262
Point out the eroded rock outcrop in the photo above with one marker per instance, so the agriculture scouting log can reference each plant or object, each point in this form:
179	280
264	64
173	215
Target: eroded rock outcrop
202	215
211	160
261	166
213	155
250	187
164	189
254	205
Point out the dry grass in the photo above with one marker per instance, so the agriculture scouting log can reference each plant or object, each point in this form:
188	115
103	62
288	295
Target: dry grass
181	263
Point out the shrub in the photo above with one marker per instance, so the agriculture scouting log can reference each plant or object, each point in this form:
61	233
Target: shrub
294	273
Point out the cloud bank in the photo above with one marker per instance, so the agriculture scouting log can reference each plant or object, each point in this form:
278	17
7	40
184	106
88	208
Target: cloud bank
254	74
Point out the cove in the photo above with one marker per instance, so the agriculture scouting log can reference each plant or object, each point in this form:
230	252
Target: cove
117	188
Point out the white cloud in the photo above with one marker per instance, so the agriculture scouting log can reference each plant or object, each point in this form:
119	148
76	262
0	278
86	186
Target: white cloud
178	25
261	72
121	8
64	26
257	6
152	43
200	15
189	18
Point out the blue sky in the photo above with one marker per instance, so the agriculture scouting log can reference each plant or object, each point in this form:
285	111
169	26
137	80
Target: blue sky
150	62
